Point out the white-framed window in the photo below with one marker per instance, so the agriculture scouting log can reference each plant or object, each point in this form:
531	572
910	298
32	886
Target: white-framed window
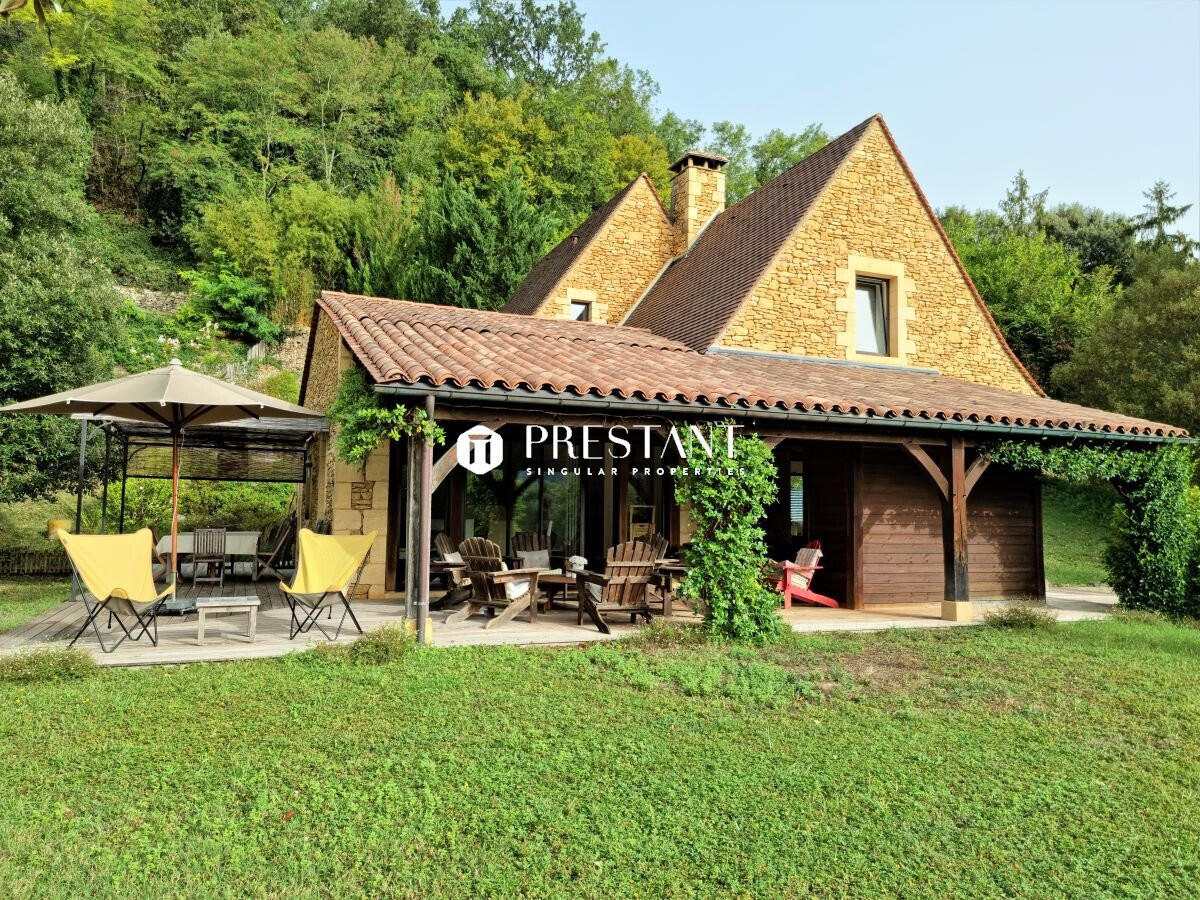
872	330
581	311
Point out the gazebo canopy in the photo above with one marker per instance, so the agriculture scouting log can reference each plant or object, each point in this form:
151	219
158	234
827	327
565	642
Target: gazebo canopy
264	449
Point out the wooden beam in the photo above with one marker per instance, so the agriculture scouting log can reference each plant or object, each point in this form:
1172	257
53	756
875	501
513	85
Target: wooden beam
917	452
854	570
957	584
446	462
424	526
975	472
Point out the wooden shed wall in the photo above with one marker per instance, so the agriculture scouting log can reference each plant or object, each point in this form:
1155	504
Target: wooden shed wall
902	532
902	555
1004	534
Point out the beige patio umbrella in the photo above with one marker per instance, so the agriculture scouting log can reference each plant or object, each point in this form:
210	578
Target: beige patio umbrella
174	397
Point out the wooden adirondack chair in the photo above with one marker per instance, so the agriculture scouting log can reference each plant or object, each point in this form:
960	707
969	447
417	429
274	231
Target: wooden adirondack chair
270	561
458	586
797	577
529	542
658	546
624	586
493	586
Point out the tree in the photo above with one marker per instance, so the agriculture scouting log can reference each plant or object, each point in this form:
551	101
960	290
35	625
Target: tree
56	299
1160	214
679	135
1021	207
753	163
466	253
1098	238
1035	288
546	46
1142	357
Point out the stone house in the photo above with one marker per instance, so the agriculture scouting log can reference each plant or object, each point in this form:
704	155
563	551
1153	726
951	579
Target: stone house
826	311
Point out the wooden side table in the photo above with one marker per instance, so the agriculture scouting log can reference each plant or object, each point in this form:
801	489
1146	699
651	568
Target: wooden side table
247	605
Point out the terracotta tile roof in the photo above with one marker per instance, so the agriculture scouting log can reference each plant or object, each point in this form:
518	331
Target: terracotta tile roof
701	291
548	271
413	343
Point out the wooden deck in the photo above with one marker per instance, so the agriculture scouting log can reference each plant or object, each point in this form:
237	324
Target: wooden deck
225	638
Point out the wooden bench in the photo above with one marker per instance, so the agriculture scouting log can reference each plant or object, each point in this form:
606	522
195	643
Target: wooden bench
247	605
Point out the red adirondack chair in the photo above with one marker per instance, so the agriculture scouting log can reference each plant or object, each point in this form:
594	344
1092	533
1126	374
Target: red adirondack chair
798	576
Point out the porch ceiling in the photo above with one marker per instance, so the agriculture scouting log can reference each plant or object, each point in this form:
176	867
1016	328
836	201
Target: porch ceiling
402	343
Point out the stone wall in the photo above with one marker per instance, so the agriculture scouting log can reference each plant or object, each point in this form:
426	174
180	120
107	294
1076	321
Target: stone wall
870	212
353	499
155	301
619	264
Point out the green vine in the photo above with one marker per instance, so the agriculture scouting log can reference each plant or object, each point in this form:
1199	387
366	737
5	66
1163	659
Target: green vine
1152	562
727	553
363	423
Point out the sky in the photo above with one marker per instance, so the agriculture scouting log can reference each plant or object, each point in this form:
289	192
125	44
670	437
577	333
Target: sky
1095	100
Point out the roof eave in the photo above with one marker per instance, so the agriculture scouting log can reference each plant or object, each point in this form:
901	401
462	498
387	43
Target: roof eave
900	423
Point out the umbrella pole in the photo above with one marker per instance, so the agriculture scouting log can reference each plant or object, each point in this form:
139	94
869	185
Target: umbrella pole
174	507
83	436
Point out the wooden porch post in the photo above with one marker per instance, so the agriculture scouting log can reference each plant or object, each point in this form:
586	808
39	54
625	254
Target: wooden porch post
954	490
425	521
413	493
957	581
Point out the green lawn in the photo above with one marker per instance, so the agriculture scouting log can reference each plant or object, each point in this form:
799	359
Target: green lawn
1076	527
957	762
23	598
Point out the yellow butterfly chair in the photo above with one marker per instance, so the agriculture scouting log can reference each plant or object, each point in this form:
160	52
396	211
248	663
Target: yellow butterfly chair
114	573
328	567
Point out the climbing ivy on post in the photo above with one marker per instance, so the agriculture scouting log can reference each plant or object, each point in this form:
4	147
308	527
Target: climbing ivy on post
363	423
1152	561
727	554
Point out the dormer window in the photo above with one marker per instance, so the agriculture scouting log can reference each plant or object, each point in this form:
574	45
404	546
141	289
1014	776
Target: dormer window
581	311
872	331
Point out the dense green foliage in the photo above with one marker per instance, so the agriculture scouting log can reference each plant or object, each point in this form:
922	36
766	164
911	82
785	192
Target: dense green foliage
237	303
1142	355
728	493
1153	558
56	299
967	762
364	422
1087	298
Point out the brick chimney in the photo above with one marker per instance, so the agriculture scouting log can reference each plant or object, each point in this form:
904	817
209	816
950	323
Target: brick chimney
697	194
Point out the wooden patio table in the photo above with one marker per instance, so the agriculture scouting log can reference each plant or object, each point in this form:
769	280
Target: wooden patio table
247	605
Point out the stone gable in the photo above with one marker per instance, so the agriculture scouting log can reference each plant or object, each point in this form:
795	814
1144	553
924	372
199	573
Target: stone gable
620	263
870	221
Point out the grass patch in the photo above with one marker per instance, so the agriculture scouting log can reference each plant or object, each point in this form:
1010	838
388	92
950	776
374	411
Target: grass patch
21	599
31	666
1020	615
1076	527
916	763
383	645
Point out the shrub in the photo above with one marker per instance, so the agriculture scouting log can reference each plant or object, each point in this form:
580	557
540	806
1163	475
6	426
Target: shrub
363	423
241	305
46	665
1152	561
383	645
1020	615
725	558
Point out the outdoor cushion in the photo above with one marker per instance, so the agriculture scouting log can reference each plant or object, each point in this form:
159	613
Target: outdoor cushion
514	590
452	556
534	559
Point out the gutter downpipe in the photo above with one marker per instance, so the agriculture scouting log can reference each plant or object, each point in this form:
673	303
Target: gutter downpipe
628	407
